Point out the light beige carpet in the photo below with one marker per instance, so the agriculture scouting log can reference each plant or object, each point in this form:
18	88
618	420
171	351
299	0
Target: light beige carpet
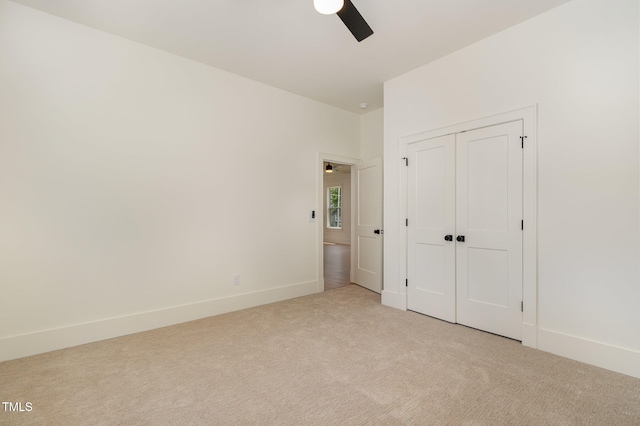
337	358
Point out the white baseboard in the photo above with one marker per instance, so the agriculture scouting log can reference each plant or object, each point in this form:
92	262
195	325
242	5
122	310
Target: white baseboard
621	360
529	335
394	300
79	334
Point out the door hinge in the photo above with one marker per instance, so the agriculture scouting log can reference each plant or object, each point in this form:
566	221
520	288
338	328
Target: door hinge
406	222
522	138
406	161
522	306
406	282
522	225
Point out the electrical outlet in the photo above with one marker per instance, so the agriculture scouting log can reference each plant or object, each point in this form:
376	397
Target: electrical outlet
236	279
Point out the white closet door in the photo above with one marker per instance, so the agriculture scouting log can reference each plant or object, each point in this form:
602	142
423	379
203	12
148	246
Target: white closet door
489	214
431	260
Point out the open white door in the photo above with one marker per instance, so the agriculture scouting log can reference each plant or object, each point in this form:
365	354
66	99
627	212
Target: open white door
368	224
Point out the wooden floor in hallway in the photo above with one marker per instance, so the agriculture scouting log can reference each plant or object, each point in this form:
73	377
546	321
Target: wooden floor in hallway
337	265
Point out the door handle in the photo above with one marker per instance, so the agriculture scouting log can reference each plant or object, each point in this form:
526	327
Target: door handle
460	238
378	231
448	237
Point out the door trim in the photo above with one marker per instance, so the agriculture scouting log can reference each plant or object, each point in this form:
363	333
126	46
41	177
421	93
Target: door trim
529	116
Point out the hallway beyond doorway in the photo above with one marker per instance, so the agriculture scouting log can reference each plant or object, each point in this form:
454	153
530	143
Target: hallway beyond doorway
337	265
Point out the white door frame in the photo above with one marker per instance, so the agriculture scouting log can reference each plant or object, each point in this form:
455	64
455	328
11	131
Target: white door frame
320	213
529	205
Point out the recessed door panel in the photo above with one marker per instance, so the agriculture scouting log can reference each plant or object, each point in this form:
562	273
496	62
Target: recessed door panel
487	183
368	184
487	277
430	267
368	254
431	191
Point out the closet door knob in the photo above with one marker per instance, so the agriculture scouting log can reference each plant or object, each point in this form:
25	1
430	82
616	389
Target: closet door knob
460	238
448	237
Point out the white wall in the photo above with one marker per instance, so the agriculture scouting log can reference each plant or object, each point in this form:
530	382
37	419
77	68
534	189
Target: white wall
134	184
343	235
580	64
372	134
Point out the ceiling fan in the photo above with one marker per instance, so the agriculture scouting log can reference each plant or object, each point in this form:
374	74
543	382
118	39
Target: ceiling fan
332	168
348	13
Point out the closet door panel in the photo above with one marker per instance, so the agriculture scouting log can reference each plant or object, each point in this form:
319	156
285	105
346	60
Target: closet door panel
489	214
431	259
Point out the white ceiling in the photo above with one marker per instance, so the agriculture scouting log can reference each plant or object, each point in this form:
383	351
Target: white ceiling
287	44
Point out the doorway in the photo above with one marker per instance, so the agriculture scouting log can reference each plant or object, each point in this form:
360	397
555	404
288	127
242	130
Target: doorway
336	226
366	233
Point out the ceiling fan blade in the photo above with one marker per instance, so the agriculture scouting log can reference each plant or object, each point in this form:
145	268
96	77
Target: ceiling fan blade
354	21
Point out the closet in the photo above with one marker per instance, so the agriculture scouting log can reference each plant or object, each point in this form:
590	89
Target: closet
464	262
